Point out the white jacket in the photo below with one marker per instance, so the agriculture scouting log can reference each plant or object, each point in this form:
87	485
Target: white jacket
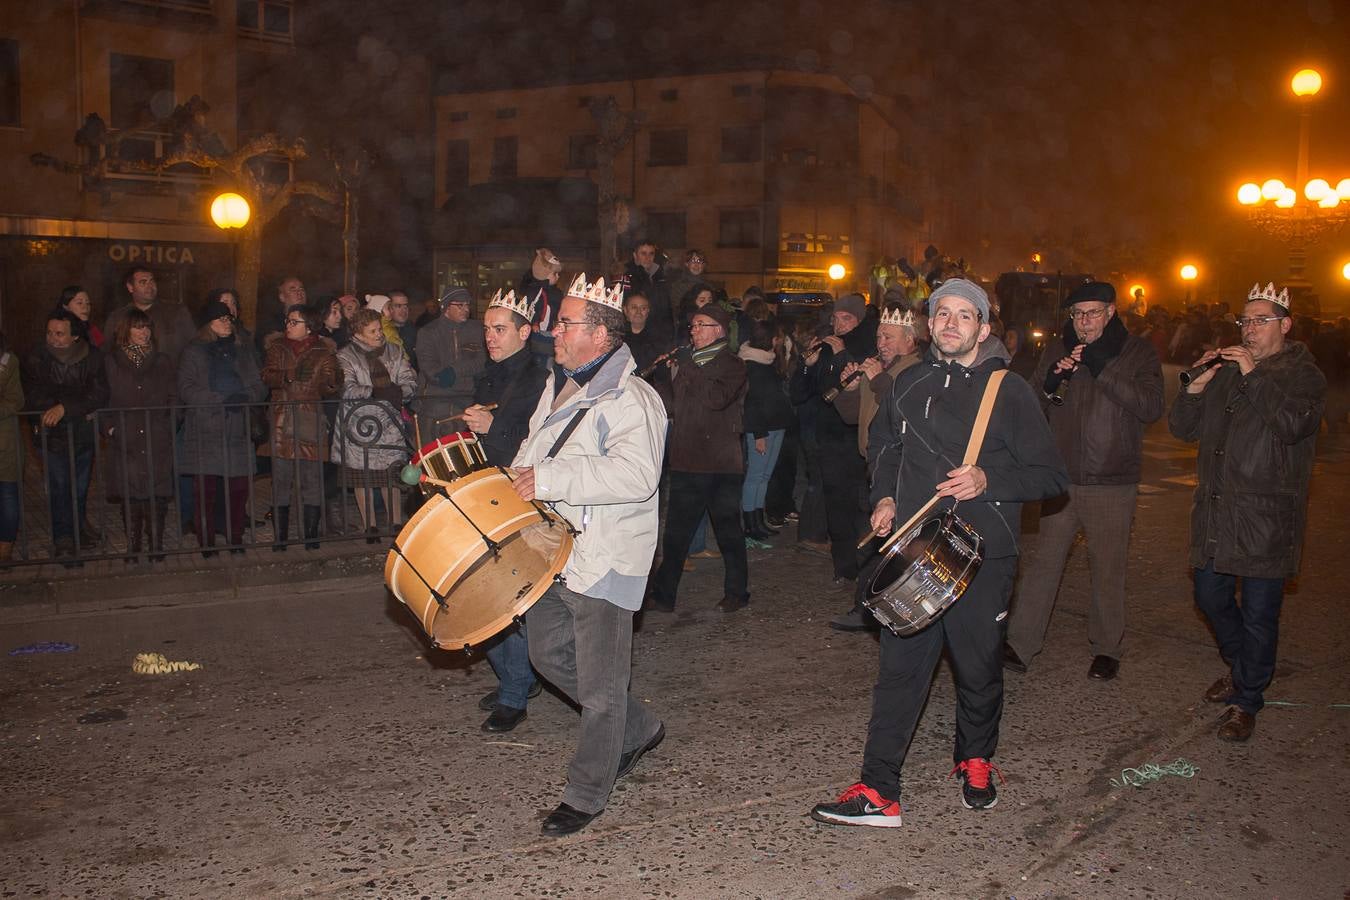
604	478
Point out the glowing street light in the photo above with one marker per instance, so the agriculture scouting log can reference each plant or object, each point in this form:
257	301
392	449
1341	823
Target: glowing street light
1249	194
836	272
1345	271
1306	82
1272	189
1189	272
1316	189
229	211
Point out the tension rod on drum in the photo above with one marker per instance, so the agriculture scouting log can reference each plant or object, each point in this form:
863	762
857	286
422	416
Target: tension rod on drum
540	504
435	595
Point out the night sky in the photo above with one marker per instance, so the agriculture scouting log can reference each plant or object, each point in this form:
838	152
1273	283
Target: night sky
1111	137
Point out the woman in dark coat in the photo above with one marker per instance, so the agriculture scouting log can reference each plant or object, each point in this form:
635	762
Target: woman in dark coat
302	370
768	415
217	379
138	464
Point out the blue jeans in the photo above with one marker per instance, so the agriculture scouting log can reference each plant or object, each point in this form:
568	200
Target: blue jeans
66	517
759	469
9	511
1247	634
509	657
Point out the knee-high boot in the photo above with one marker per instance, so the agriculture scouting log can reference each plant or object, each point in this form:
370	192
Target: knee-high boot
155	527
312	516
281	525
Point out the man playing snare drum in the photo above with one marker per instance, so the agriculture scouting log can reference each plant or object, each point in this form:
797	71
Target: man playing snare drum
603	478
917	440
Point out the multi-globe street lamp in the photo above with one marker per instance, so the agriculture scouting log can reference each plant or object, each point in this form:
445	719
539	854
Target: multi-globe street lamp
1302	214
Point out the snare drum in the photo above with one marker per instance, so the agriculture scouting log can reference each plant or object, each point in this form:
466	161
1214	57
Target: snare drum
473	559
924	573
452	456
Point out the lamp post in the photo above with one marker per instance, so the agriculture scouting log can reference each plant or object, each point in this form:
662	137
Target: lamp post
1302	214
1189	272
836	272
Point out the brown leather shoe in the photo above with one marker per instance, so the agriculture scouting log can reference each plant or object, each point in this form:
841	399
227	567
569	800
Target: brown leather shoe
1236	725
1221	690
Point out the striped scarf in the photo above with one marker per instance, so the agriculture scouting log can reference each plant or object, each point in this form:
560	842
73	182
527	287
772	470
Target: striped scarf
704	356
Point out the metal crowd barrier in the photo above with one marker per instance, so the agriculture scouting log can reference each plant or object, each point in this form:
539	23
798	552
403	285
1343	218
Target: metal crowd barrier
100	527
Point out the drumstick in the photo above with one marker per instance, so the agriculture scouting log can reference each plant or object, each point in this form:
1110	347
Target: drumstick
487	407
903	529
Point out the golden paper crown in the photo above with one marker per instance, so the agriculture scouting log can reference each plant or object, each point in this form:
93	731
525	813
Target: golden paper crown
596	292
1280	299
897	316
518	306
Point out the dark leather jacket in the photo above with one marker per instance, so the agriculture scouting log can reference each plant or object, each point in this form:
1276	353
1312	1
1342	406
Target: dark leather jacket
1257	436
709	414
78	384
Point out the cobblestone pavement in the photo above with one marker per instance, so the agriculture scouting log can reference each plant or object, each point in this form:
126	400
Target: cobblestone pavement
324	750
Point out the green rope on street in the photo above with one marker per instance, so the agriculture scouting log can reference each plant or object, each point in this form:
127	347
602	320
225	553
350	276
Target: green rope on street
1151	772
1283	703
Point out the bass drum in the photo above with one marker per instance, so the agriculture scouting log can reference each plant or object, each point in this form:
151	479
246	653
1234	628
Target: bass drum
472	560
924	573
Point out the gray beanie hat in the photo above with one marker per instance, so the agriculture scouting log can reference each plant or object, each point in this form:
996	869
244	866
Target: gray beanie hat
966	290
853	304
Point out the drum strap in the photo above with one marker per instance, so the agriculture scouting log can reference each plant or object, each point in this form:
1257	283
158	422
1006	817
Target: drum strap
972	454
567	432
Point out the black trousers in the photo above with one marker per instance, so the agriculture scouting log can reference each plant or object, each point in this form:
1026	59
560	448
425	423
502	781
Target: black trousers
844	478
691	494
972	631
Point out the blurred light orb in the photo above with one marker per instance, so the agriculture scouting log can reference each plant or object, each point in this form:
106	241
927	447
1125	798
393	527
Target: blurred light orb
1272	189
1189	272
229	210
836	272
1343	188
1287	199
1249	194
1306	82
1330	201
1345	271
1316	189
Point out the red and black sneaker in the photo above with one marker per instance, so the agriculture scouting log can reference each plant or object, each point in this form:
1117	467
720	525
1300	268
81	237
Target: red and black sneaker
859	805
977	790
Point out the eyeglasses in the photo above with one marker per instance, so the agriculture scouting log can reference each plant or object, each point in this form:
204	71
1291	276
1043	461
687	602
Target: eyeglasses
1249	321
295	321
704	325
563	325
1086	315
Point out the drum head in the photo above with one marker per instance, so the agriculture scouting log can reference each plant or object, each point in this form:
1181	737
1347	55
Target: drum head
911	549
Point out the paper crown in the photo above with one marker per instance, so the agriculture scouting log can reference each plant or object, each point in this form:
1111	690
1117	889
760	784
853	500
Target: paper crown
520	306
1280	299
596	292
897	316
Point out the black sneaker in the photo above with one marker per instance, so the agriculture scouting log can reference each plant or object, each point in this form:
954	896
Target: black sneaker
977	788
488	702
859	805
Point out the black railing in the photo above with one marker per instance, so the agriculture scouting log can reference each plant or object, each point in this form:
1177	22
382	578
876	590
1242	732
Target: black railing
146	483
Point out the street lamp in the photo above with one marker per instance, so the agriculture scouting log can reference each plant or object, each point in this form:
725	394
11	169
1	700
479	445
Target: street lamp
1189	272
1345	271
1303	213
229	211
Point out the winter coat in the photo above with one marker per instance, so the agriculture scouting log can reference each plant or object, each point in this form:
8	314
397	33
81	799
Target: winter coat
836	424
646	347
657	291
173	327
872	395
78	384
1099	429
217	439
138	462
679	285
766	402
604	478
709	415
11	402
300	385
370	432
514	384
452	356
921	433
1257	435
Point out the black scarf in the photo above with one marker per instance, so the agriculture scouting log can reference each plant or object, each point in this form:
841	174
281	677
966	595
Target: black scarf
1101	351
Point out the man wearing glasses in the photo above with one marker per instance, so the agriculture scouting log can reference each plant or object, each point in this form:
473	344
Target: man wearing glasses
450	361
399	313
1256	413
1107	386
706	462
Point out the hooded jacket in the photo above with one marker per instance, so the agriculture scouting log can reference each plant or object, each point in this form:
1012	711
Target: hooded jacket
604	478
1257	436
920	434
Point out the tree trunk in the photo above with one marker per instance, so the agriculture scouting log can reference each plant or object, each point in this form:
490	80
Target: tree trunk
351	217
247	266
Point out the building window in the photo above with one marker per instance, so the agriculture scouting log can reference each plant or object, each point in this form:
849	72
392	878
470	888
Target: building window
141	89
738	228
506	112
741	90
265	18
504	158
670	95
459	116
581	151
667	229
456	165
9	82
740	144
668	147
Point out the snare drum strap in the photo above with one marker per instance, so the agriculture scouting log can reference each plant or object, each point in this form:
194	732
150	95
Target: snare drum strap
567	432
982	417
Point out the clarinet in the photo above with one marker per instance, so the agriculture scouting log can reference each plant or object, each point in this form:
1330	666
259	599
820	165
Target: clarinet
830	395
661	360
1190	375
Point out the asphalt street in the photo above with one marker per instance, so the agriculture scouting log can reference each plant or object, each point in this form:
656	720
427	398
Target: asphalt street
323	749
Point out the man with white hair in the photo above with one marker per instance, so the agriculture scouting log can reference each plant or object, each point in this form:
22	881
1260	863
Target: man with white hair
1255	408
917	444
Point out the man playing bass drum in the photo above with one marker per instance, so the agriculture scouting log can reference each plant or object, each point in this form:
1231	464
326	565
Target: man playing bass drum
916	444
